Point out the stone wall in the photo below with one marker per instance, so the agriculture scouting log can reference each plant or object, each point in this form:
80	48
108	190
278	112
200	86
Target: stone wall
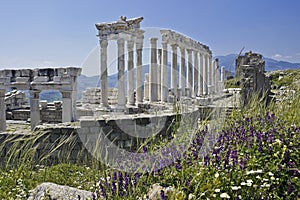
251	70
49	112
15	99
93	96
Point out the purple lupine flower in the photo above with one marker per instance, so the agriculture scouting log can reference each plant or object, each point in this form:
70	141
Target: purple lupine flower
270	150
188	182
163	195
126	181
136	178
206	160
260	147
178	165
102	190
114	187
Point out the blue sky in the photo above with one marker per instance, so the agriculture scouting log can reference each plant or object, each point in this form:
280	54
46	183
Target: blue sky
54	33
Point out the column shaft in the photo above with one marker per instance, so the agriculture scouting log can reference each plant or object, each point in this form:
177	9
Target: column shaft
164	73
66	106
205	75
35	115
130	80
139	68
201	70
159	66
103	71
174	72
2	111
190	72
182	71
121	76
153	70
196	75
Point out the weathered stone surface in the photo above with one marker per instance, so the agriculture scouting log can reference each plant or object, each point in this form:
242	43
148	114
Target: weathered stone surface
58	192
251	69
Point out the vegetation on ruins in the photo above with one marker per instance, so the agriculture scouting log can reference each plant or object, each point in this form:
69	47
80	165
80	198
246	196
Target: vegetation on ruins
256	157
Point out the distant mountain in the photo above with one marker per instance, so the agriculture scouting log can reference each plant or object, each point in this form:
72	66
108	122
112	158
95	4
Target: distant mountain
271	65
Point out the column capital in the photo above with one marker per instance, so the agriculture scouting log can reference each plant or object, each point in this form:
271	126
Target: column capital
103	43
182	49
189	51
66	94
130	44
174	47
34	94
153	40
120	41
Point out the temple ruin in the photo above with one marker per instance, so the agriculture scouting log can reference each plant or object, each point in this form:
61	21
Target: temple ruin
196	80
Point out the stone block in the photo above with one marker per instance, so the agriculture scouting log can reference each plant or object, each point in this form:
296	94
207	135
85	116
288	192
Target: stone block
41	79
67	79
22	79
25	72
94	129
56	78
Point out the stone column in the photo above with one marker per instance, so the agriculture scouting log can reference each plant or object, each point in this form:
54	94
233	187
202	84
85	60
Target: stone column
205	75
130	79
210	75
66	106
216	75
139	66
174	72
2	111
159	66
190	72
201	72
153	96
164	73
103	76
121	82
146	87
35	115
182	71
223	74
196	74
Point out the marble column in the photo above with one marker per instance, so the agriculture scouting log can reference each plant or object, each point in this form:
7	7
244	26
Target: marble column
182	71
205	75
190	72
216	75
209	74
130	73
2	111
223	74
153	96
139	66
121	70
146	87
164	73
66	106
35	115
159	69
103	72
174	72
201	72
196	75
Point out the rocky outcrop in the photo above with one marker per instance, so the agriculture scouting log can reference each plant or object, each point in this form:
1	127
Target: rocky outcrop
59	192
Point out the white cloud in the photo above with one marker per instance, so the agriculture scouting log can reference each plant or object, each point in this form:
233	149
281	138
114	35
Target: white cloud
298	54
277	56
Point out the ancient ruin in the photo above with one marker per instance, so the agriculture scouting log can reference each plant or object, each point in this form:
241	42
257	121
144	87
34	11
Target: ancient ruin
35	81
250	68
118	114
